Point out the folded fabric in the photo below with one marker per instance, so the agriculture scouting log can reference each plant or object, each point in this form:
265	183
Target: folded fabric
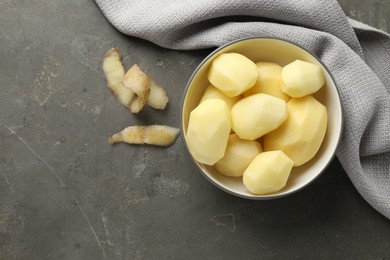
357	55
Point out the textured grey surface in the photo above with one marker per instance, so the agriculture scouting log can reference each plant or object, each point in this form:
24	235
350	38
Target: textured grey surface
65	193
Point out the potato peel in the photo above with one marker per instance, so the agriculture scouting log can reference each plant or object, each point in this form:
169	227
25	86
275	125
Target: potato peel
133	88
138	82
158	98
114	72
160	135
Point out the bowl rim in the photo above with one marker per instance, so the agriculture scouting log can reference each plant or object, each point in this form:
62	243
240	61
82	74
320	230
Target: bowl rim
271	195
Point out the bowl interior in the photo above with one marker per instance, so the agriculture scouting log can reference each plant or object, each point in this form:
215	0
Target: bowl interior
281	52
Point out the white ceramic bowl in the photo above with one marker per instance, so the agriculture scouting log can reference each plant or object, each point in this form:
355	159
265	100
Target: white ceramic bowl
281	52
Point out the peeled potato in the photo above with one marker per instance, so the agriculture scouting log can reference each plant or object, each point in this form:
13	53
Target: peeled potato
213	92
208	131
257	115
238	155
268	81
301	78
301	135
232	73
268	172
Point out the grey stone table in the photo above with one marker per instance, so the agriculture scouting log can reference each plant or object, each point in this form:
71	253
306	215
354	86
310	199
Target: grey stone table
65	193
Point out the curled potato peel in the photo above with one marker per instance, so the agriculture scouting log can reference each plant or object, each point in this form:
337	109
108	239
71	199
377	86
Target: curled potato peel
134	88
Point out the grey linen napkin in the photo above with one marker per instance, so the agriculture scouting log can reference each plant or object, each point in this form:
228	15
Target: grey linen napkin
357	55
